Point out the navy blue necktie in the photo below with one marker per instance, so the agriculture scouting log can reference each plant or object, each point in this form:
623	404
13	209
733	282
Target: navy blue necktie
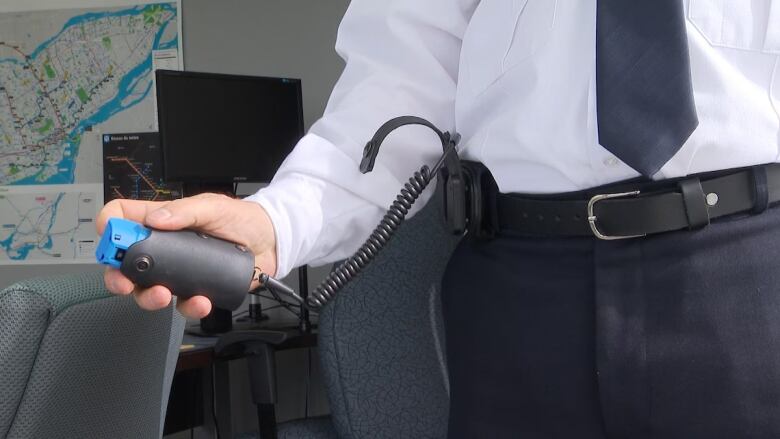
643	78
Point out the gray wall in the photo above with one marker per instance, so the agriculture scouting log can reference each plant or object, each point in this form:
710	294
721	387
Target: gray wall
292	38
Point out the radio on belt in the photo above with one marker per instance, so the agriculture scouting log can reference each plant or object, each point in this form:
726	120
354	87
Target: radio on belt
186	262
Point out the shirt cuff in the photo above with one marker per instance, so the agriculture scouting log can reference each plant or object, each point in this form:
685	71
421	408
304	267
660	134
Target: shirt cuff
293	215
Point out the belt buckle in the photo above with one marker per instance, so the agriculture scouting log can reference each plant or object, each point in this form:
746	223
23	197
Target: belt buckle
592	217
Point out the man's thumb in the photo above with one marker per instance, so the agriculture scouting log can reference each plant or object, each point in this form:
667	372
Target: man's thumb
158	217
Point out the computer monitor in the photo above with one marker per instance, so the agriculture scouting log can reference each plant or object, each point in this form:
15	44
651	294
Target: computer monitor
217	128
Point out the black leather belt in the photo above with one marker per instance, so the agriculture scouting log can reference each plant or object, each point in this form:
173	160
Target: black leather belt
630	210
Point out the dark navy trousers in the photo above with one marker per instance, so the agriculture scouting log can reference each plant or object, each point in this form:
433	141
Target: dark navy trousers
671	336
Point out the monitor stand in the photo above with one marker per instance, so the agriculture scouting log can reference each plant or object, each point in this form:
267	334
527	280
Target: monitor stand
218	321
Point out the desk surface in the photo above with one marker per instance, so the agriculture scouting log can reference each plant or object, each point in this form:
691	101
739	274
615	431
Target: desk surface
195	352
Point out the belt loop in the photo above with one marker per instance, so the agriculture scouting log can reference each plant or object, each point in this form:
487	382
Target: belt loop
760	190
490	226
695	203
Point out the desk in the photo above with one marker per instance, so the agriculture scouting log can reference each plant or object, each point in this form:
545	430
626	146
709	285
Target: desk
199	370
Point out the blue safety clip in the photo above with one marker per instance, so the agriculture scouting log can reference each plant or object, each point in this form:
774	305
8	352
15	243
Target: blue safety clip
118	236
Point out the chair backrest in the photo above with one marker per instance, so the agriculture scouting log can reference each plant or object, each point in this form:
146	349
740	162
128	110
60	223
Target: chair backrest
78	362
381	340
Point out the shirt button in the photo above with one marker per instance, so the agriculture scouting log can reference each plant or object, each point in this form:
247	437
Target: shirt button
611	161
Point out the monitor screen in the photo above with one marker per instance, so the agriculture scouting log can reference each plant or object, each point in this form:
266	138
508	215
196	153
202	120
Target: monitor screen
226	128
132	168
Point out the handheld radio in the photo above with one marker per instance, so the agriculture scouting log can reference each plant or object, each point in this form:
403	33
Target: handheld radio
186	262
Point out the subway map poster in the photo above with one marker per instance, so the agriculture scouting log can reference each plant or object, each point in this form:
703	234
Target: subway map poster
68	75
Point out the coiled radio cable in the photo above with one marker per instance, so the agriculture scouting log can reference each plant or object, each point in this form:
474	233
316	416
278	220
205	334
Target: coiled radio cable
395	215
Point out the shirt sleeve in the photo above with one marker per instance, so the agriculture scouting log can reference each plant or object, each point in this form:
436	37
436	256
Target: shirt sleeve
402	58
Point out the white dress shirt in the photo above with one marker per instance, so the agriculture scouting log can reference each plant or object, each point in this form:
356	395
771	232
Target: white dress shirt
516	78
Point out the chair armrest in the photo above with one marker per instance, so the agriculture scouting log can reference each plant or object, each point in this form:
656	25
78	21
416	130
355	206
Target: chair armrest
239	341
258	346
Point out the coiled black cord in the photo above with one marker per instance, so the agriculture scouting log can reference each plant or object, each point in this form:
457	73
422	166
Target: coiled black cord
377	241
389	224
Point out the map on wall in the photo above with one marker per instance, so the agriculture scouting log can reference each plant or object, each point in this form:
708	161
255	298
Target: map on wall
132	168
43	227
67	76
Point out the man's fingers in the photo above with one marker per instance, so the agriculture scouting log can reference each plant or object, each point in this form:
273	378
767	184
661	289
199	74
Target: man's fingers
212	213
134	210
195	307
158	297
116	282
154	298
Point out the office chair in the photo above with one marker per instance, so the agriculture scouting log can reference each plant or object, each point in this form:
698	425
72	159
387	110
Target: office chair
381	343
78	362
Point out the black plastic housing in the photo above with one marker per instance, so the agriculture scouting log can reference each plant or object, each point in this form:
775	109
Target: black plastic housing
190	264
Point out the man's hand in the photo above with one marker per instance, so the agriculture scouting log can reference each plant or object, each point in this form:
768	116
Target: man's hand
243	222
